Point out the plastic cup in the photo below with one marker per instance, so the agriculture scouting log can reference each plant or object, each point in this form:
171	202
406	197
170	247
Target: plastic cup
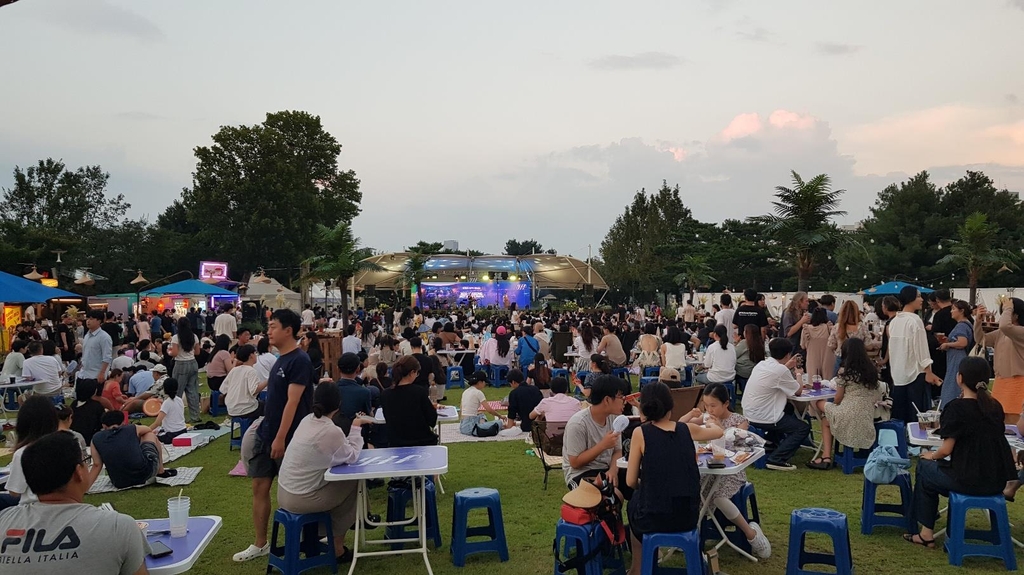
177	511
717	453
816	383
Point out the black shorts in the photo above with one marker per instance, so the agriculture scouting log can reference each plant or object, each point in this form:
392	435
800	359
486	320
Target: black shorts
149	451
260	464
575	480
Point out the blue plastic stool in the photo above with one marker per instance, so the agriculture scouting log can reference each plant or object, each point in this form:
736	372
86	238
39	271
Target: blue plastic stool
455	377
499	375
687	376
816	520
869	510
884	437
242	425
215	407
301	535
998	536
850	459
58	399
746	501
762	462
263	394
573	540
476	498
622	373
652	371
560	372
688	542
582	376
647	380
399	499
10	399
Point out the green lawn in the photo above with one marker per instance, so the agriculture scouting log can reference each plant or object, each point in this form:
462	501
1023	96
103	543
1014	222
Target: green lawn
530	513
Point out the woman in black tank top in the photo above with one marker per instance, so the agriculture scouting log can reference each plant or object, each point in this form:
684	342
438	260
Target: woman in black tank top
663	470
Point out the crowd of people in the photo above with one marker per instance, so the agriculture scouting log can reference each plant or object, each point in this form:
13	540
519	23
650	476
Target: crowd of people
884	360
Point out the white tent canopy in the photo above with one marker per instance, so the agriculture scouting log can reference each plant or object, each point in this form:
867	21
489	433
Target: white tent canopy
273	295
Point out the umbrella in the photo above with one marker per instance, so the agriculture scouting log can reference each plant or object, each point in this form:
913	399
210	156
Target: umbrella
190	287
892	288
14	289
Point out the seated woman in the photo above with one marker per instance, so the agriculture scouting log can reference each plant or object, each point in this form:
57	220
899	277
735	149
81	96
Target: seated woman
851	417
474	406
539	374
112	390
87	411
171	419
716	403
318	445
649	345
36	418
979	463
667	483
409	413
598	366
720	359
559	407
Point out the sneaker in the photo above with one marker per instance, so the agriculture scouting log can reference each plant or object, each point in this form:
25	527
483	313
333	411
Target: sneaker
253	552
781	466
760	545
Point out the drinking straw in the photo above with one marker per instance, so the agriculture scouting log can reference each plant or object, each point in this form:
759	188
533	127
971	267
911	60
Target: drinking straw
182	490
915	407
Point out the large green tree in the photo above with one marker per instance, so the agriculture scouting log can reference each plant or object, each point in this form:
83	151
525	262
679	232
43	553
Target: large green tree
260	192
802	222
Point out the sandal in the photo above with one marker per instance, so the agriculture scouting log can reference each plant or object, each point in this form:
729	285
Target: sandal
927	543
820	463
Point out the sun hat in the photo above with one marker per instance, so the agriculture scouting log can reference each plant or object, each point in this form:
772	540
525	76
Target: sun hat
585	496
668	374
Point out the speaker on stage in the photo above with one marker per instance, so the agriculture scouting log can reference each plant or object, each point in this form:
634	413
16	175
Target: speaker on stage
369	302
588	295
370	290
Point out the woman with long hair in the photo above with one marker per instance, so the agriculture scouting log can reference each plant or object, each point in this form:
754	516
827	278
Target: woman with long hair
310	343
850	419
814	340
410	414
586	345
649	345
673	351
795	317
540	374
750	351
503	352
980	461
719	360
221	362
1008	342
958	342
184	348
36	417
849	325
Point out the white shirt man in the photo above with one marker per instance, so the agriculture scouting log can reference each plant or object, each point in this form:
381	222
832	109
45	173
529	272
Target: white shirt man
308	317
910	362
225	324
724	316
766	403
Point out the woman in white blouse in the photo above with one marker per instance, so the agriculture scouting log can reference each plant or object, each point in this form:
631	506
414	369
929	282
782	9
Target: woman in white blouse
318	445
720	359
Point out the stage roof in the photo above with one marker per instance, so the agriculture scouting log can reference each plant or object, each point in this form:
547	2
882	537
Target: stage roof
547	271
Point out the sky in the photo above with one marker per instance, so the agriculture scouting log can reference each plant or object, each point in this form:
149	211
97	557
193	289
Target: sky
484	121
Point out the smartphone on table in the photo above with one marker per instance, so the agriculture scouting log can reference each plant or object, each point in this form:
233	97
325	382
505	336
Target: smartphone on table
158	549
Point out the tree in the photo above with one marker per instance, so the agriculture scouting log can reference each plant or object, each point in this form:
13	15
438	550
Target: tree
528	247
260	193
975	251
802	222
339	259
695	274
426	248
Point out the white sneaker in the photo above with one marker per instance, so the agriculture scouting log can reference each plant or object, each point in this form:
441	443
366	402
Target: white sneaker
760	545
253	552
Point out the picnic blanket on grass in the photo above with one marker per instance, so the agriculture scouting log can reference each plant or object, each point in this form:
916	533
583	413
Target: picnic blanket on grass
450	434
185	476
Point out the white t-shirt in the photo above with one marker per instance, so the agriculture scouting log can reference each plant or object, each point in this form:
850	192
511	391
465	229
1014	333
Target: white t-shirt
174	415
308	317
240	389
225	324
183	354
471	400
351	344
721	363
264	363
16	482
724	317
769	388
44	369
13	365
908	348
121	362
675	355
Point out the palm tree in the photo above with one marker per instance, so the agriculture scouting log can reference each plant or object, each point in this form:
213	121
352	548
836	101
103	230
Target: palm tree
802	222
974	250
340	259
696	273
415	269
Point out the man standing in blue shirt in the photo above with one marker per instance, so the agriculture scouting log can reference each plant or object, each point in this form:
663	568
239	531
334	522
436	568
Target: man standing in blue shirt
97	350
289	399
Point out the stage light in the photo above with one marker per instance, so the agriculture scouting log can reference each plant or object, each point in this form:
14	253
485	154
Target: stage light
462	277
486	277
513	277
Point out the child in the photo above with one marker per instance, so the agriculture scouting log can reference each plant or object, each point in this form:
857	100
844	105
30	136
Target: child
171	419
112	390
716	403
64	418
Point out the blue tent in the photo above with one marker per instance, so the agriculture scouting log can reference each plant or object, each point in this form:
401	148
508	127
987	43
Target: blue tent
892	288
190	287
14	289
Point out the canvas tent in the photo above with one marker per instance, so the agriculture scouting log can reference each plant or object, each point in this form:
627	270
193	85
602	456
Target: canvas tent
14	289
273	295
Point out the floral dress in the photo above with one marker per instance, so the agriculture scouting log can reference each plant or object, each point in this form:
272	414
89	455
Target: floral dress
853	420
729	484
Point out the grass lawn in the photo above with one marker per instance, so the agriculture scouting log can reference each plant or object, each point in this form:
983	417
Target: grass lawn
530	513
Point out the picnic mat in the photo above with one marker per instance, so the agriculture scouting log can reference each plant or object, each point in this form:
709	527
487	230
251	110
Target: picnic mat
495	405
172	452
450	434
185	476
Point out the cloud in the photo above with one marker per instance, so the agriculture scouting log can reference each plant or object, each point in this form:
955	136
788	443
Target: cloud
947	135
836	48
757	34
642	61
1019	4
1012	98
101	17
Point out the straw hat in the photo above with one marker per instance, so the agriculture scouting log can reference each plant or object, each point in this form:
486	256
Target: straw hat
585	496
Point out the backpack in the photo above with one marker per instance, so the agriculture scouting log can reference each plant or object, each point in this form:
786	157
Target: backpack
607	516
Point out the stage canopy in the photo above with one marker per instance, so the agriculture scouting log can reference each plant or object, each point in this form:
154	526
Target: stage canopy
190	287
14	289
546	271
273	294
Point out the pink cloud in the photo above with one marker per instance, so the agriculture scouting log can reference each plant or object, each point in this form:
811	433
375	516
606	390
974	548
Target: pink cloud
792	120
742	126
